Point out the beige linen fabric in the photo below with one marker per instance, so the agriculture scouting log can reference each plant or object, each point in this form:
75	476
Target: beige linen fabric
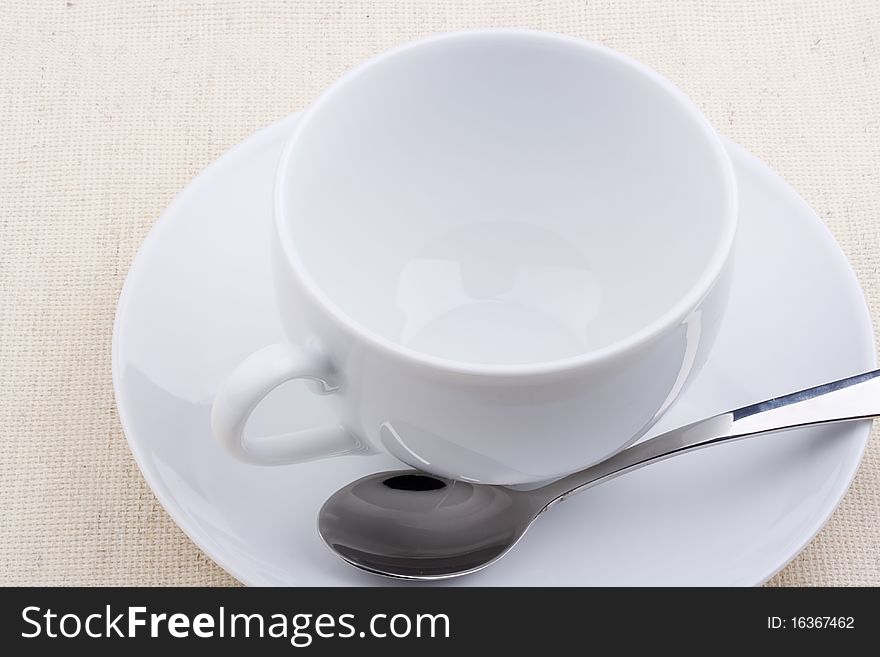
108	108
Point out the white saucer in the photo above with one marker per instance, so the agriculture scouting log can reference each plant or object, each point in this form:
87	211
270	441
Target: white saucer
198	299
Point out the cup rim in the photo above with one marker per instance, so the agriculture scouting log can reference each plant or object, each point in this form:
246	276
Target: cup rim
659	326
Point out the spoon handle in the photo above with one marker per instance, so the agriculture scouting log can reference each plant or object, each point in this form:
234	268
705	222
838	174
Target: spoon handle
853	398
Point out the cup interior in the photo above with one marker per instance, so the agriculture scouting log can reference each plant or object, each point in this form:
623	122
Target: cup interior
505	198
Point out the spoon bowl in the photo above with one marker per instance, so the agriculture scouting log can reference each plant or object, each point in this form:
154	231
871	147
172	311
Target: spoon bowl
411	525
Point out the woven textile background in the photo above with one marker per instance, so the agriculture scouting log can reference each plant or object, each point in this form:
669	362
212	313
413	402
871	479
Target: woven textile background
108	108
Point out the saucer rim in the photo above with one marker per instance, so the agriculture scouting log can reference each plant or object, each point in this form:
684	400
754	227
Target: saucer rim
865	425
255	141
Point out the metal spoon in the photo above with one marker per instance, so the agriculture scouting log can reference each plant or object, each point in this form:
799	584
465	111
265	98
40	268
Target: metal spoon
412	525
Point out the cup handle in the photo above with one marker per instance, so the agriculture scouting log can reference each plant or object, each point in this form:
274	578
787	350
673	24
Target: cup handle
254	378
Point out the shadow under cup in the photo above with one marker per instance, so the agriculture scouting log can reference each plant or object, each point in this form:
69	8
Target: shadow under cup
504	199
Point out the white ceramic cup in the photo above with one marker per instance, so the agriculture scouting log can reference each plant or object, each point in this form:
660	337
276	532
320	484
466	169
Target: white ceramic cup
502	252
